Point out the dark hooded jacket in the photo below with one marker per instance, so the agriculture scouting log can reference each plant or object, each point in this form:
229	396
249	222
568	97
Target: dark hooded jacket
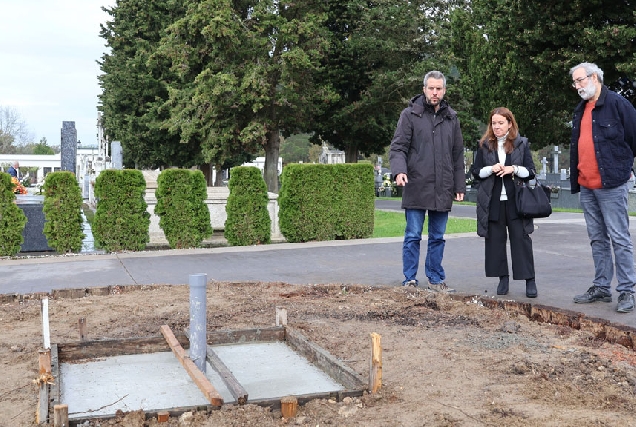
489	190
428	147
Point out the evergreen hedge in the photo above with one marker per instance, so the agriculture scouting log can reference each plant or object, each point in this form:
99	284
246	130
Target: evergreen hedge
183	215
12	219
248	221
121	219
326	202
62	210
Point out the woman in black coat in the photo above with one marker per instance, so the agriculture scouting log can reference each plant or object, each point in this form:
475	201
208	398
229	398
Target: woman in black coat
503	156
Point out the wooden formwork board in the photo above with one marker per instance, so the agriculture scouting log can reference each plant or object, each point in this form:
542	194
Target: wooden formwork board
323	360
87	350
238	391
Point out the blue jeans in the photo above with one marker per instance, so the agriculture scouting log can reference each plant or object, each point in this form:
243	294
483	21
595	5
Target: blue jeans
607	222
411	247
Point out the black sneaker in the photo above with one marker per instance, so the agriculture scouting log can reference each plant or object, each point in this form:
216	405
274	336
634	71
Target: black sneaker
625	302
595	293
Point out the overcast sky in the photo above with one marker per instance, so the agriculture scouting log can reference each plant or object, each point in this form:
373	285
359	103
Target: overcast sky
48	72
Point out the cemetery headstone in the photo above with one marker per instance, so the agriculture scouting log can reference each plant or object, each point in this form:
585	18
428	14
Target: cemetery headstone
117	155
544	169
68	147
33	233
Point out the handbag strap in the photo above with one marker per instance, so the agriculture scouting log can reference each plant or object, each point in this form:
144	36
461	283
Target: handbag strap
519	182
526	182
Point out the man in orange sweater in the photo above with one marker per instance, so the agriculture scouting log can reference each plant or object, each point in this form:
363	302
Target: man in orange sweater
603	147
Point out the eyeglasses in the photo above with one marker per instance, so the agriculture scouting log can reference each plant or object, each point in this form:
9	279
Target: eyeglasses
579	81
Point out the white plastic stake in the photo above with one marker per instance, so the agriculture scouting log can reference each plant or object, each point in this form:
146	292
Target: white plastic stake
46	333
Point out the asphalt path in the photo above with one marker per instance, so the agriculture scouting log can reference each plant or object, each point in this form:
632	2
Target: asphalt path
562	254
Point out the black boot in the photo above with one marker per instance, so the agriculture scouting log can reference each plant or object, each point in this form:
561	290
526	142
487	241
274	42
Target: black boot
531	288
502	289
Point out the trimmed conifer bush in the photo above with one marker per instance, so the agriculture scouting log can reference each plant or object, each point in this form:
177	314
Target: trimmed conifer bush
248	221
305	201
353	203
121	219
62	210
12	219
326	202
183	215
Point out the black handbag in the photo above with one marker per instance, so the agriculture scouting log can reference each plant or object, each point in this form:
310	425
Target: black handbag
533	201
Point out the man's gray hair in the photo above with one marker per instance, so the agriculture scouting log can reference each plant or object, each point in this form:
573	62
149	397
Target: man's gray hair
434	75
590	69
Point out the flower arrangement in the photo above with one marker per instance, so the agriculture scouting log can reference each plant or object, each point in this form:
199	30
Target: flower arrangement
18	188
387	184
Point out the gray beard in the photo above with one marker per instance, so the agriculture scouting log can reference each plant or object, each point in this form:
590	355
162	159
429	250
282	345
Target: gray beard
587	92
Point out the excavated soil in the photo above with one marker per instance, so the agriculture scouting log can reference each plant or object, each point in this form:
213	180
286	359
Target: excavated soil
446	361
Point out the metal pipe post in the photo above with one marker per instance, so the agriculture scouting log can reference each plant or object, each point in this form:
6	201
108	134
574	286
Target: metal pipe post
198	319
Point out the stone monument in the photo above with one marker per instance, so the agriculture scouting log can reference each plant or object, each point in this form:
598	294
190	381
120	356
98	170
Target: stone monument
69	147
557	151
117	155
544	169
33	233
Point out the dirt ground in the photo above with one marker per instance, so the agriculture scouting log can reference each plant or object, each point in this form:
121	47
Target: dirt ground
446	361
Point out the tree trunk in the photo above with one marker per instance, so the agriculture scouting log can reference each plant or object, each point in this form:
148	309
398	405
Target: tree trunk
351	154
206	168
218	181
272	152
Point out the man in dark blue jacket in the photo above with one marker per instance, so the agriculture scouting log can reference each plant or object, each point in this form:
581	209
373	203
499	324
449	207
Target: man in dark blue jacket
13	169
603	147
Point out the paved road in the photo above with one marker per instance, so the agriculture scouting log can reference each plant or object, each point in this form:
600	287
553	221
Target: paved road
562	257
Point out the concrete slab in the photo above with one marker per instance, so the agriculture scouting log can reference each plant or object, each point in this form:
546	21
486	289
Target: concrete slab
152	381
157	381
272	370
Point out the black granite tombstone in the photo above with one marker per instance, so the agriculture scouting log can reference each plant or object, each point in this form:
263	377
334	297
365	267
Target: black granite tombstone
68	147
33	233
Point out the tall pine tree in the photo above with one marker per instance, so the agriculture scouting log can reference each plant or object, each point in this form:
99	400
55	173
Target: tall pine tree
134	89
246	71
518	54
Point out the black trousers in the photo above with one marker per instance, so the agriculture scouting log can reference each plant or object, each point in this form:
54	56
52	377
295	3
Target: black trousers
520	247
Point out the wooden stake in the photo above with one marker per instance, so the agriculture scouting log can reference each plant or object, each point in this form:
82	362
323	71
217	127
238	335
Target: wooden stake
46	334
45	361
82	328
163	416
195	373
375	372
281	316
60	415
289	406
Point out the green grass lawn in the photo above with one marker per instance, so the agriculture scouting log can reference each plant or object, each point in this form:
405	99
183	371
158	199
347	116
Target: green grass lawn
391	224
474	204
